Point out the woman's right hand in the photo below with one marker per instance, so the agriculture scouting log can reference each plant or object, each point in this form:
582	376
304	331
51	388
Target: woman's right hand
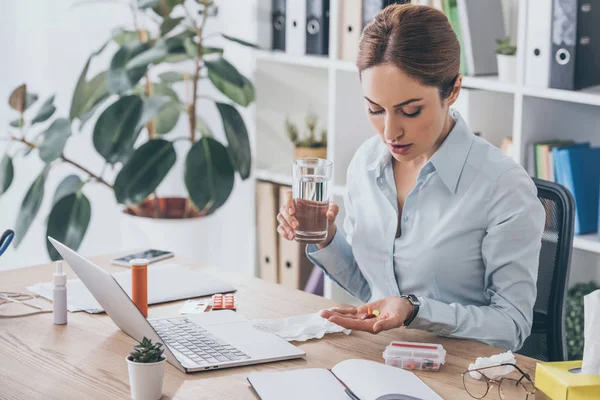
288	222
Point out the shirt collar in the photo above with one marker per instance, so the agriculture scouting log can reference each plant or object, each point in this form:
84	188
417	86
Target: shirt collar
448	160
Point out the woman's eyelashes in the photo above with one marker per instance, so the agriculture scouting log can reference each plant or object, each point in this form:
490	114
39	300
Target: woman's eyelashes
412	114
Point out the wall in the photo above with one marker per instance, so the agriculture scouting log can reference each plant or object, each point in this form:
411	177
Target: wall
46	45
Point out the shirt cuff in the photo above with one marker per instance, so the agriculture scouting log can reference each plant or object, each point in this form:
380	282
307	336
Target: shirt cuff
331	258
428	317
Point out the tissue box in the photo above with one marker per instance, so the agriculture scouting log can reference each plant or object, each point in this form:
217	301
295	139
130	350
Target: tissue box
555	380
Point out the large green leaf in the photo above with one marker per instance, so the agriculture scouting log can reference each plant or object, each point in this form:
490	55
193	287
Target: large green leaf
46	110
68	222
168	116
145	170
7	173
69	185
223	70
164	7
88	94
169	24
157	53
237	137
209	174
152	106
30	205
117	128
242	95
121	36
121	76
55	139
171	77
240	41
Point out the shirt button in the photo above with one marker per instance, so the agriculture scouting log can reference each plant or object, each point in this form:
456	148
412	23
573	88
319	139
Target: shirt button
405	218
379	181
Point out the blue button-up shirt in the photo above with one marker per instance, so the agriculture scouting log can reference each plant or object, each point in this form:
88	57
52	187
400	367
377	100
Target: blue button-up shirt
470	243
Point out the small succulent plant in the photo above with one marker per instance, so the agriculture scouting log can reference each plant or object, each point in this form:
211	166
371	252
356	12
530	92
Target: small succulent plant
310	139
504	47
147	352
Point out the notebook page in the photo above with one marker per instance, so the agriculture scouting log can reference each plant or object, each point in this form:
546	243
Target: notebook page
370	380
299	384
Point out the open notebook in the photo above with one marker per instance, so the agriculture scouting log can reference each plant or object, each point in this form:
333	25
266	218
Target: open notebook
166	282
367	380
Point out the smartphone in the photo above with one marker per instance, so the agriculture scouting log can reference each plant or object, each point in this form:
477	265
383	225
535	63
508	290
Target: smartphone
152	255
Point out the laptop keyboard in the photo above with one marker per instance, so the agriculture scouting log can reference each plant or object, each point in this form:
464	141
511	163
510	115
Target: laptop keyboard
195	343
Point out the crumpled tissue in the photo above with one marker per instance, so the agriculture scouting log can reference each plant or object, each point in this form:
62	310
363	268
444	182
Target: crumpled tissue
496	359
591	334
299	328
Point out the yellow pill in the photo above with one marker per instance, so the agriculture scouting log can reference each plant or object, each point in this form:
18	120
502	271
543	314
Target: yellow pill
376	313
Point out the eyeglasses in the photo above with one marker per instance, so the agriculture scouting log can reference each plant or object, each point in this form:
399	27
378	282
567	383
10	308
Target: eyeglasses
508	388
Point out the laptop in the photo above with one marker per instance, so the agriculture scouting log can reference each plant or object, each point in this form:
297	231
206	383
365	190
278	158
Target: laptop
193	343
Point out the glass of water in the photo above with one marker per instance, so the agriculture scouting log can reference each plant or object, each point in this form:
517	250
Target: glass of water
310	187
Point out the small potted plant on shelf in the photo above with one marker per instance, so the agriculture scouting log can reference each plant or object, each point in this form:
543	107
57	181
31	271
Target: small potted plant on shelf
309	146
507	60
146	366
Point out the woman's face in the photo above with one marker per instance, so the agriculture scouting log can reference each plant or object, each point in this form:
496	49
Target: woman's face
410	118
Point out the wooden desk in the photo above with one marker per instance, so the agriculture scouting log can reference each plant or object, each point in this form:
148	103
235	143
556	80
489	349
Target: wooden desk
86	357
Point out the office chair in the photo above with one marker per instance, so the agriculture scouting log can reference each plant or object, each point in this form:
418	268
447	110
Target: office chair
547	340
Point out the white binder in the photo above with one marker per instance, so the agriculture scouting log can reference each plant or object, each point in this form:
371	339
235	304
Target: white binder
350	29
295	29
538	49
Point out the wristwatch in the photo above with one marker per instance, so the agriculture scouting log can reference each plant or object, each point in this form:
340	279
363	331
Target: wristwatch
415	303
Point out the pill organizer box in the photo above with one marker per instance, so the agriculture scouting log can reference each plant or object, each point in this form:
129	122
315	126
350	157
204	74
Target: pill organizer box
411	355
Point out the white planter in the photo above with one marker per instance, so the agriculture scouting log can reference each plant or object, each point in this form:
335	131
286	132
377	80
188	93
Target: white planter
146	380
199	239
507	68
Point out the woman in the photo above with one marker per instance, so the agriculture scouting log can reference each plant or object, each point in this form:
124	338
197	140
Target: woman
443	231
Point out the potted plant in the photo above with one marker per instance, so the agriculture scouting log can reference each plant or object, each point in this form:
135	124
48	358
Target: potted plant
146	366
506	55
134	131
308	146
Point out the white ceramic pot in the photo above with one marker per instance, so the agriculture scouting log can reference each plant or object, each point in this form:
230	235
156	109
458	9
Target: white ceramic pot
193	238
146	380
507	68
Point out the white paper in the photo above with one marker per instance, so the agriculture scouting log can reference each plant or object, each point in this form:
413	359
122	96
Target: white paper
193	307
166	282
300	384
299	328
591	334
496	359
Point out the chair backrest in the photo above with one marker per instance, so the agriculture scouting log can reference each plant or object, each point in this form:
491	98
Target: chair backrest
547	340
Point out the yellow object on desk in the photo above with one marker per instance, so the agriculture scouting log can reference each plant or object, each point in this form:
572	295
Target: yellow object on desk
558	383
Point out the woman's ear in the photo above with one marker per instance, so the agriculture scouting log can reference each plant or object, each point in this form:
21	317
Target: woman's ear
455	91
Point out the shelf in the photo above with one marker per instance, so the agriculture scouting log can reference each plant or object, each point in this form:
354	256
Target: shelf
300	60
589	242
276	177
589	96
490	83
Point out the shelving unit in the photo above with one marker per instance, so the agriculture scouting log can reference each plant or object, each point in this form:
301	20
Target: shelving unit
332	86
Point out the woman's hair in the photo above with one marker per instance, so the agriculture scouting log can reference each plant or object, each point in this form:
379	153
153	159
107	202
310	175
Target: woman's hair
418	40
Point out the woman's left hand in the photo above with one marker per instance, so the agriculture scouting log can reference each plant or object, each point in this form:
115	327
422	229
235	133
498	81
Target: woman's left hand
393	311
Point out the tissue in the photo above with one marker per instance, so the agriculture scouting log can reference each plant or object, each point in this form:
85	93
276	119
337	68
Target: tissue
299	328
591	334
497	359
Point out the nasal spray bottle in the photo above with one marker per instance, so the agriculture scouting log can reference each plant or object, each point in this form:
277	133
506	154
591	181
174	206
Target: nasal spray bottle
59	295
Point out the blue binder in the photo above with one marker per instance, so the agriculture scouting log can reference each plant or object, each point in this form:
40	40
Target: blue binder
578	169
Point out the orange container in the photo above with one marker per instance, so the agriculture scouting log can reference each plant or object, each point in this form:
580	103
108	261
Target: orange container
139	284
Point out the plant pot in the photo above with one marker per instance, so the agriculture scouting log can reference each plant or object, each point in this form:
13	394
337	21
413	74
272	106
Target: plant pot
310	152
146	380
507	68
193	237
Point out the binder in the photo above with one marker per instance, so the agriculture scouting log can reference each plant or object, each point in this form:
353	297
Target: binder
370	8
538	43
294	266
317	27
267	203
278	24
295	27
480	25
350	29
578	169
575	61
